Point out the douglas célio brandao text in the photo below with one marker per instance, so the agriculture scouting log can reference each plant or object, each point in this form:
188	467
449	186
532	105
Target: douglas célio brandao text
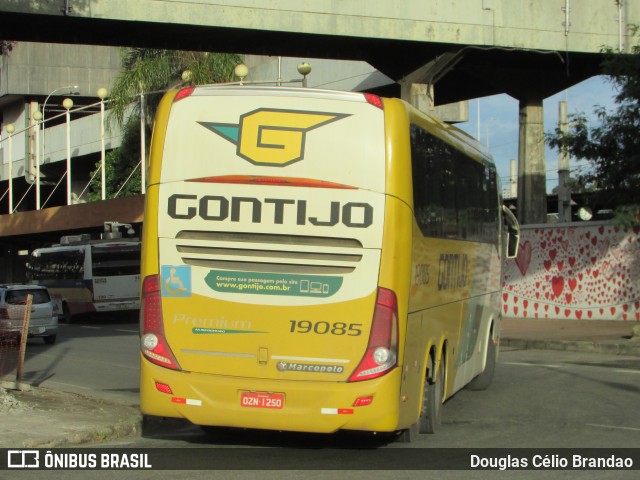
550	461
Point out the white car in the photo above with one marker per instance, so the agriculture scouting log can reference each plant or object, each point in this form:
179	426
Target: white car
43	318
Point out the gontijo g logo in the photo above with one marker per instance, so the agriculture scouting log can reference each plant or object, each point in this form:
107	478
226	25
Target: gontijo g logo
270	136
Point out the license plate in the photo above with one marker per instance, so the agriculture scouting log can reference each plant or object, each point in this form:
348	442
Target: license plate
262	400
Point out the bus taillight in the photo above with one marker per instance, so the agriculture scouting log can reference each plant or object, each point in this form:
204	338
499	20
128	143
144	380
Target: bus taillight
374	100
382	351
184	93
153	343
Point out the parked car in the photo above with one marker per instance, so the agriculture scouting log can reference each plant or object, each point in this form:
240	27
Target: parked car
43	321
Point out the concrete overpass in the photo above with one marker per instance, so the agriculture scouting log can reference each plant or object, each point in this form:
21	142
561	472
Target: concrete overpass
472	48
458	49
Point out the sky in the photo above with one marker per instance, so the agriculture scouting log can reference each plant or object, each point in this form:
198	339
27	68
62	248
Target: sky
499	123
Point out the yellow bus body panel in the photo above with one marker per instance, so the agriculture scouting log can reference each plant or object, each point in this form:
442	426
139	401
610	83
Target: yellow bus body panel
447	291
309	406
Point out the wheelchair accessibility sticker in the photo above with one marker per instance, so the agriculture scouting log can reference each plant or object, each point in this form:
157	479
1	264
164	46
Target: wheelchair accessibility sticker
176	280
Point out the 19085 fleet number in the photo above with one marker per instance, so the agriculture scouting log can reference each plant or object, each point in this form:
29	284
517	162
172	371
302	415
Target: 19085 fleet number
324	328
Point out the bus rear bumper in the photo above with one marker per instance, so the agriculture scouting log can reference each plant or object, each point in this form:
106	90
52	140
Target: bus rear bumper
115	306
320	407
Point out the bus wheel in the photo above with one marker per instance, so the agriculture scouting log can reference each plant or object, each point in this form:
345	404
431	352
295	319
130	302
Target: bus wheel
409	435
49	340
431	416
482	381
66	313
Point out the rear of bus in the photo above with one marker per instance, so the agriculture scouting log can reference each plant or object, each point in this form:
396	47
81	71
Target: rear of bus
115	269
263	301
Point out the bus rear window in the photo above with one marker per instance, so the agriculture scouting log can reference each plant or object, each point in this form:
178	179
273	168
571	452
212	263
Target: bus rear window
19	297
115	261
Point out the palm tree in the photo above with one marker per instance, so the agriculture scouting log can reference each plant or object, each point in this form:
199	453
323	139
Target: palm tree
148	73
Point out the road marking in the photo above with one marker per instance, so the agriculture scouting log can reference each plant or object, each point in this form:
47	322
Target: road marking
53	382
126	331
524	364
613	427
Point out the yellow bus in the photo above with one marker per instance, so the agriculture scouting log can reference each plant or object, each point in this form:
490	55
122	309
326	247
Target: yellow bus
315	261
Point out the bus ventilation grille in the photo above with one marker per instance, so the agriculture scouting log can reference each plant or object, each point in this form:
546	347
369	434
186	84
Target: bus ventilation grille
258	252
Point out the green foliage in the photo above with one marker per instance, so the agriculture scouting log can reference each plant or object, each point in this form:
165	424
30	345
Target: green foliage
151	72
119	165
627	216
612	145
6	46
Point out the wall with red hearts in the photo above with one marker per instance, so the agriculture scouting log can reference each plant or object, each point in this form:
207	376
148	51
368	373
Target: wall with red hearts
576	272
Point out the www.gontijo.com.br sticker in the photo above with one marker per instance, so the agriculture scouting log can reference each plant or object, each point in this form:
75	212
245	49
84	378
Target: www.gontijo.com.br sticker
273	283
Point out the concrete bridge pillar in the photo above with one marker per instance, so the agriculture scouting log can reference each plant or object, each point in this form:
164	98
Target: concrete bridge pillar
420	95
532	179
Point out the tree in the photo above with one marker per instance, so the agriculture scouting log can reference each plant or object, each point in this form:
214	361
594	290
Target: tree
150	72
6	46
612	146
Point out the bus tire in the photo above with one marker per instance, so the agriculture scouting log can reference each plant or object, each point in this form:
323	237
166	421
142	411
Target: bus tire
50	339
410	434
431	414
66	313
482	381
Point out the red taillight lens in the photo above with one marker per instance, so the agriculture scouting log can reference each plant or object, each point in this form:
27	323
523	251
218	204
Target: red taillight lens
163	388
374	100
153	343
184	93
382	350
363	401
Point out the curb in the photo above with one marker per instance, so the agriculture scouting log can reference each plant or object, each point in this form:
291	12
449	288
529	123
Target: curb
613	348
121	429
67	419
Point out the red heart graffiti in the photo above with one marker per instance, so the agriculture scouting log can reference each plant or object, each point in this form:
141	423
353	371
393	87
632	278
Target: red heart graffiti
557	285
607	270
523	259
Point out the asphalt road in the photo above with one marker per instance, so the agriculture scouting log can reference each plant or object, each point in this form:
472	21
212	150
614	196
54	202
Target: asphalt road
539	399
92	356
